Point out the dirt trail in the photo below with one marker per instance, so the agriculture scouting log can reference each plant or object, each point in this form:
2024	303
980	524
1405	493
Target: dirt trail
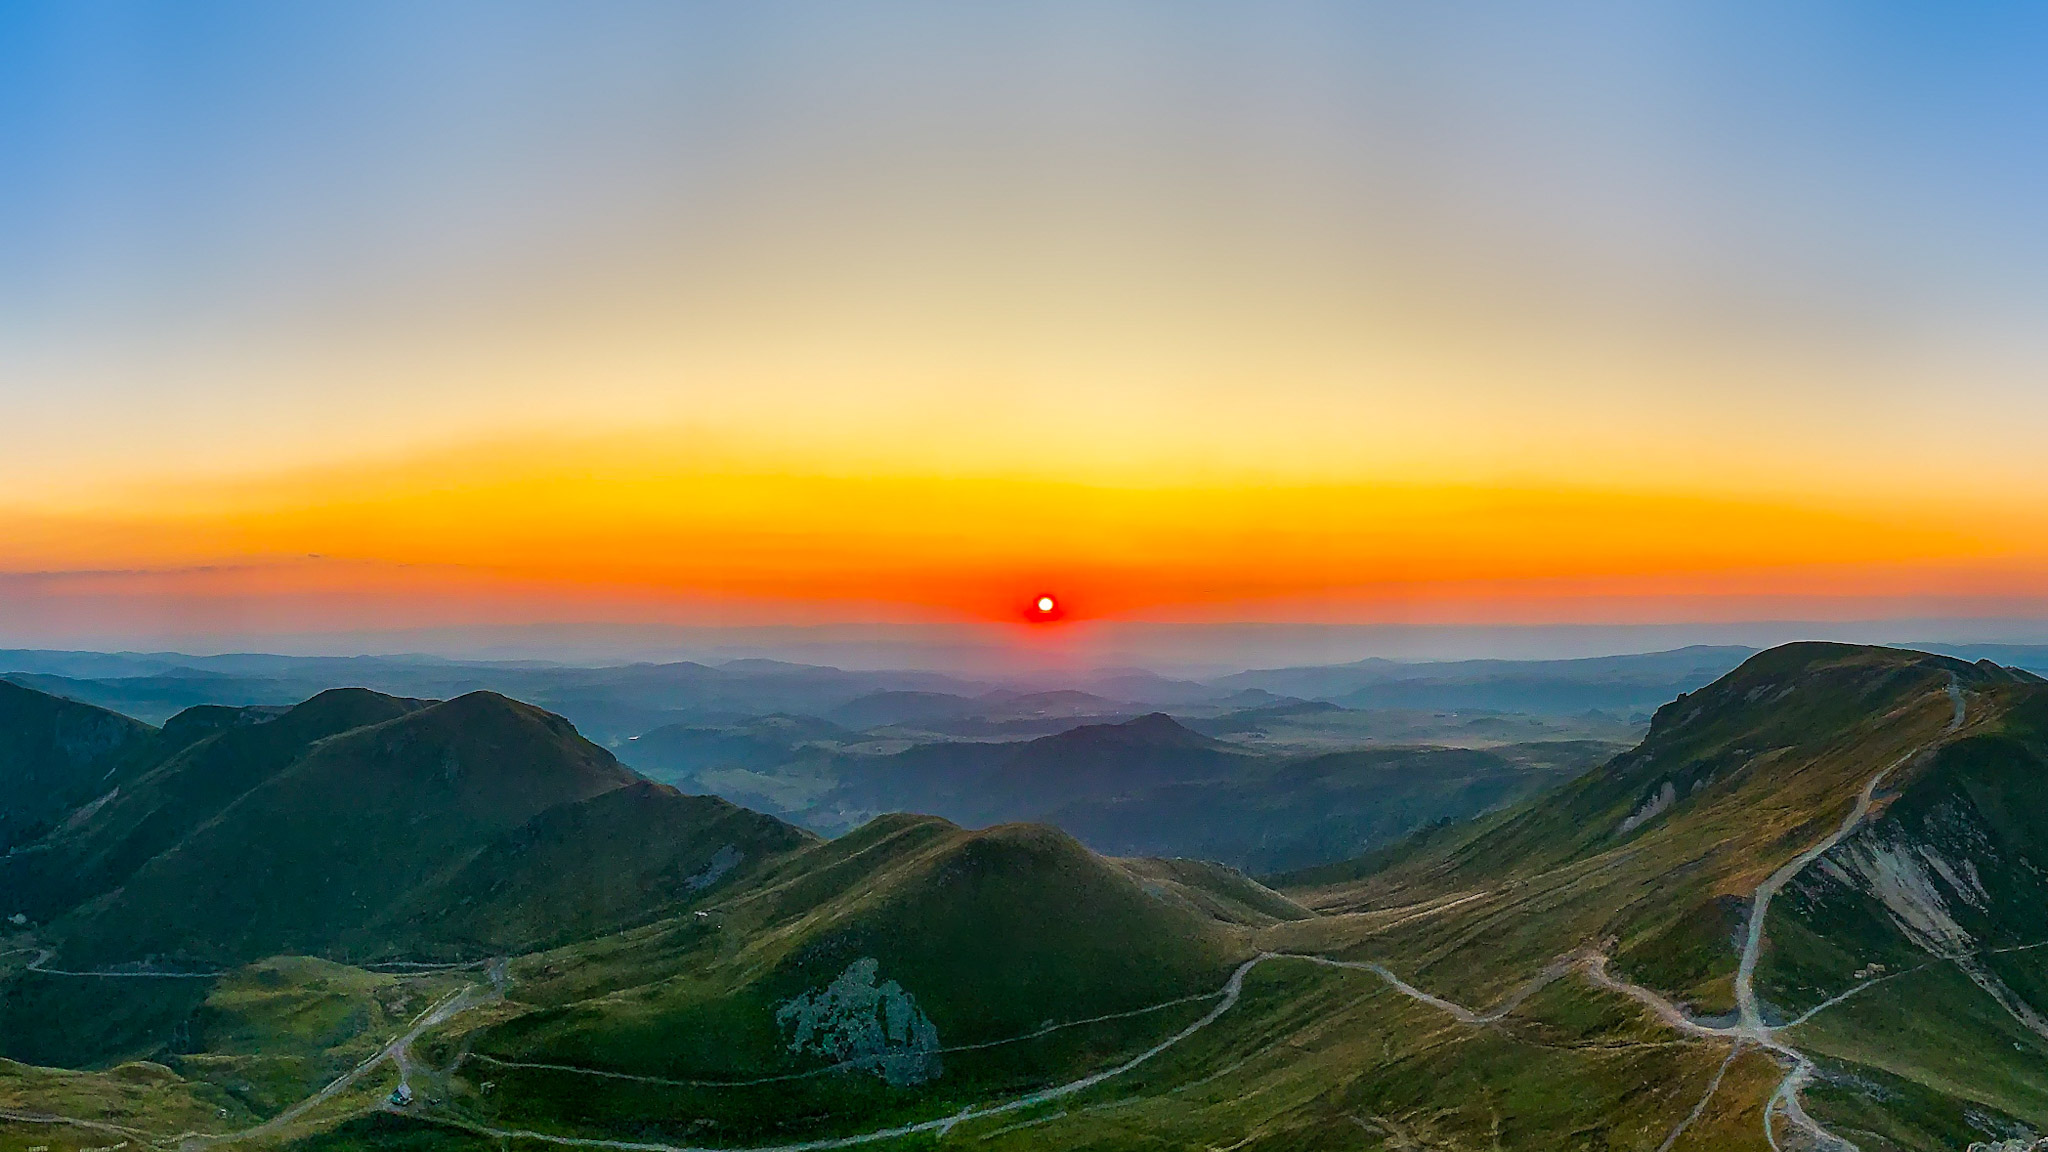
1753	1025
1230	994
1750	1028
398	1052
40	966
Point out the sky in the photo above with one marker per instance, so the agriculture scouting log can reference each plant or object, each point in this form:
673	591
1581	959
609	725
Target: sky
352	319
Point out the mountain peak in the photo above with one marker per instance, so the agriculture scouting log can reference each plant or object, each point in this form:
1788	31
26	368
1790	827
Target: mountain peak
1152	730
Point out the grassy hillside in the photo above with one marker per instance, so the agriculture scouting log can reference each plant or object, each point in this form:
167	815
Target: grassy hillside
1215	890
1933	918
1504	983
1649	850
1653	859
225	753
1004	939
590	866
310	857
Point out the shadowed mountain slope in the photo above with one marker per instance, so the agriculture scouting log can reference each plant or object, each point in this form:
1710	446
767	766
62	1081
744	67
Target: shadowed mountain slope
314	852
352	825
230	752
589	866
981	784
56	754
1278	814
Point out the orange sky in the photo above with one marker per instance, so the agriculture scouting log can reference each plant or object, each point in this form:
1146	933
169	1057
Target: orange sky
337	321
616	529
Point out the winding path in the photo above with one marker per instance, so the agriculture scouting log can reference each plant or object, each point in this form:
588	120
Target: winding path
1751	1028
40	966
447	1008
1231	991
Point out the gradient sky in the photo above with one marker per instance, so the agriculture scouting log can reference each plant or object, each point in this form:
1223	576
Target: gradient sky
350	316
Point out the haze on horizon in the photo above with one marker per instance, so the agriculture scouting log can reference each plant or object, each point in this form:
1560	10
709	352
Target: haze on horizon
393	318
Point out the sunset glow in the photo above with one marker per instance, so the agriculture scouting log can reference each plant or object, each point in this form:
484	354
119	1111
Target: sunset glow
835	321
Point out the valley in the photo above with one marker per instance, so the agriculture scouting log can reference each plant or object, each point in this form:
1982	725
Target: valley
1802	912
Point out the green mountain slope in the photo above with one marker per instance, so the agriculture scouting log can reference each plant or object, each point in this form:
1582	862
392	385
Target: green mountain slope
55	755
1654	859
310	856
1730	781
225	753
582	868
353	824
1807	912
1003	938
1930	922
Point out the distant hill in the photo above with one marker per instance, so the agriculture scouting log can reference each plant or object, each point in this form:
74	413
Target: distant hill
1611	683
1310	810
611	704
608	703
983	784
882	708
681	750
1149	786
1001	712
1254	718
157	698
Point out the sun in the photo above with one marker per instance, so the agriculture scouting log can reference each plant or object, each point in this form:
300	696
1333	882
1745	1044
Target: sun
1044	608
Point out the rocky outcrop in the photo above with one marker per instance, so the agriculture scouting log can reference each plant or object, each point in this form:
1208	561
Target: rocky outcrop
864	1026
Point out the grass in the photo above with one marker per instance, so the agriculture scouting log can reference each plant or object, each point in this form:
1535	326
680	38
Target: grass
382	1132
1318	1059
86	1023
274	1032
996	933
132	1102
1935	1028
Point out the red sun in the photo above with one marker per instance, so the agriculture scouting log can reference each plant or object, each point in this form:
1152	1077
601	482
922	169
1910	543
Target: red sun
1044	606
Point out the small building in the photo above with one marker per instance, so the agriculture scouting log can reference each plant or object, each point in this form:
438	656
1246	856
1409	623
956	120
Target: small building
401	1096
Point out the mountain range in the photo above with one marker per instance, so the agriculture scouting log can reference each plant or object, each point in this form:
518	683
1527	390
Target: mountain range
614	703
1806	910
1151	785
